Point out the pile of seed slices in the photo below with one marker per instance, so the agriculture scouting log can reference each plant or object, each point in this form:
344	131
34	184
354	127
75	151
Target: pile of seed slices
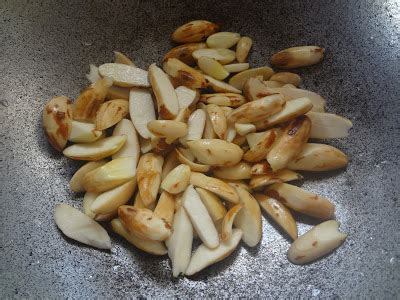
195	149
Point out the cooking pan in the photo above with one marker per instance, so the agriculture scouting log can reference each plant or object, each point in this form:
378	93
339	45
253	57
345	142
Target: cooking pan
46	48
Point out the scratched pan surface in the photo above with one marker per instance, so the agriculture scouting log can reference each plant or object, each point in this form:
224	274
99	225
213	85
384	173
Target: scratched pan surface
45	50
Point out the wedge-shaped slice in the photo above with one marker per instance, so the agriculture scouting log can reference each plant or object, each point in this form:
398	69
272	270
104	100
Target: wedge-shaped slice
171	161
186	96
144	224
141	109
244	129
167	101
184	52
96	150
224	40
200	217
237	67
296	57
224	56
90	99
204	256
131	147
263	142
124	75
196	123
238	171
319	157
291	110
185	159
226	228
302	201
254	89
80	227
149	246
230	133
287	77
110	175
88	199
177	180
194	31
165	207
259	181
314	244
328	126
216	152
220	86
257	110
214	206
138	203
76	182
110	113
120	58
183	74
82	132
109	201
212	67
290	143
223	99
218	120
180	242
261	168
293	93
149	176
183	115
145	145
168	129
237	183
243	48
208	132
248	218
239	79
279	213
214	185
57	121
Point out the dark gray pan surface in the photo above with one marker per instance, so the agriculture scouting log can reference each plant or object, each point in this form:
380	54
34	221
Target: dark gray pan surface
45	50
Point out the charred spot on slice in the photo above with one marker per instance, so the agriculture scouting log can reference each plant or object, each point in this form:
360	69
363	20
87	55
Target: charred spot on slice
274	194
314	244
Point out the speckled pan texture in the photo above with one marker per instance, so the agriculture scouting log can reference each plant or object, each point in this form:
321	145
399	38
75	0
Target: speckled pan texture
45	50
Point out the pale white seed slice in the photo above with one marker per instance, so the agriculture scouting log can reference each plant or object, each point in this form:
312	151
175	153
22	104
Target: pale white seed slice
177	180
239	79
145	145
260	181
218	120
243	128
76	182
214	185
302	201
167	101
287	77
227	223
125	75
223	99
186	96
88	199
170	162
243	48
296	57
214	206
314	244
196	124
93	74
200	217
194	31
249	218
319	157
168	129
204	256
183	74
183	157
149	176
96	150
144	223
131	147
208	132
216	152
294	93
109	201
165	207
180	242
230	133
224	40
57	121
141	110
279	213
110	175
120	58
212	67
138	203
183	115
110	113
220	86
149	246
80	227
224	56
328	126
237	67
82	132
238	171
291	110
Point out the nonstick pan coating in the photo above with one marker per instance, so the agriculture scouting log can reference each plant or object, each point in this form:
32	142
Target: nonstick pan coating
46	48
